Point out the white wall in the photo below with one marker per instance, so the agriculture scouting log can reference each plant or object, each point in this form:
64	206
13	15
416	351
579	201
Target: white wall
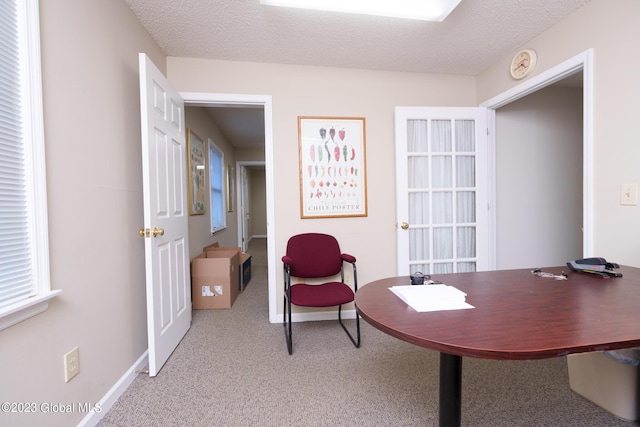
94	183
539	179
610	28
318	91
92	130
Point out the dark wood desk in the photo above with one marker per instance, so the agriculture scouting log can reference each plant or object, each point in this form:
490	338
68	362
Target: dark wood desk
517	316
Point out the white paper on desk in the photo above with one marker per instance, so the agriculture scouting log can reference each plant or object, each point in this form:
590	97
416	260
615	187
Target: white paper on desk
423	298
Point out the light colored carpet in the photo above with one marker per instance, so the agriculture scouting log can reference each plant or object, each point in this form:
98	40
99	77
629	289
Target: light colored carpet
232	369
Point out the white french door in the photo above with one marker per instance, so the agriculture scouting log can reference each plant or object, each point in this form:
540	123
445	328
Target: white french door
165	214
441	179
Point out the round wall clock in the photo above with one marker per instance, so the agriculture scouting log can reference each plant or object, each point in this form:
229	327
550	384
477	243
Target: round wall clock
523	63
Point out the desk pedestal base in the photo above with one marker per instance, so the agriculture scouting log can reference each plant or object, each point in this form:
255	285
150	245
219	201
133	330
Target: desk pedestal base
450	389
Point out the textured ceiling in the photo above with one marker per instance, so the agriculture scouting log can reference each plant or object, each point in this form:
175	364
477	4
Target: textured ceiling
476	35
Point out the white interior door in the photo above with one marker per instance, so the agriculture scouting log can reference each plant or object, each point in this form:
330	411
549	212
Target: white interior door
441	178
165	214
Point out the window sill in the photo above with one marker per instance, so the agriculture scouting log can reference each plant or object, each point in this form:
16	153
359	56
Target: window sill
23	310
217	230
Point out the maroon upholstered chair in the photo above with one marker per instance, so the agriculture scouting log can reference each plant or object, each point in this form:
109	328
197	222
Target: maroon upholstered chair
317	256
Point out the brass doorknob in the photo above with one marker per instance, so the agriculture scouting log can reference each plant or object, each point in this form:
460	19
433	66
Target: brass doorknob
404	225
157	232
143	232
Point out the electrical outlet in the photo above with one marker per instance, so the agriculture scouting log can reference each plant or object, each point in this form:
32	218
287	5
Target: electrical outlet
71	364
629	194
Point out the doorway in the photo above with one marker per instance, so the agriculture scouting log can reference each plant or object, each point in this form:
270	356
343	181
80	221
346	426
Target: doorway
250	176
576	68
197	99
539	185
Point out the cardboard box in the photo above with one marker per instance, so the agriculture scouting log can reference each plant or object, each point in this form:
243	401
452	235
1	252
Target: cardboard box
244	263
214	279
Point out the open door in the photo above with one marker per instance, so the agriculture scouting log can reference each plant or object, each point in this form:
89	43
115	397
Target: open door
441	167
165	214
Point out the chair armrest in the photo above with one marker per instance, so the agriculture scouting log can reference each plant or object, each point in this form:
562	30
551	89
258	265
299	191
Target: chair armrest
287	260
348	258
286	266
351	260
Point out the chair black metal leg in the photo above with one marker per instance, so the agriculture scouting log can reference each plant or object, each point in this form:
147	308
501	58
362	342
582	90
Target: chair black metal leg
288	330
287	325
354	341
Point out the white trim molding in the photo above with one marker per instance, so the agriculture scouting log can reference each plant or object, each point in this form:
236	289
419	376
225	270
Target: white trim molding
102	407
199	99
581	62
25	309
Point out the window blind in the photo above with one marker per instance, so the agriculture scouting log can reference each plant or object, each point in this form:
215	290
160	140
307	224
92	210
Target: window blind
16	280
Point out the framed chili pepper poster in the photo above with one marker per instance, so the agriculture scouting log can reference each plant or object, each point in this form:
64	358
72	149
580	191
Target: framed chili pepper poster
332	157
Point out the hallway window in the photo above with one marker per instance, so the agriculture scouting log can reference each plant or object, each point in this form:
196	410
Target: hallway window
216	179
24	247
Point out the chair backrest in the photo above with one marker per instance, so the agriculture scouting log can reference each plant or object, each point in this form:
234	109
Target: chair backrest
314	255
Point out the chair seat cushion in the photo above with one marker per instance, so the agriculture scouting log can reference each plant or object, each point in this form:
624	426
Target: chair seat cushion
324	295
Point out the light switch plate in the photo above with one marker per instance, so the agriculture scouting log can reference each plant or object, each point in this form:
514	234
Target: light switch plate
629	194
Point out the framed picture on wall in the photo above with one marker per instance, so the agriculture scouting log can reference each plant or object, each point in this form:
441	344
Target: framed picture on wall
332	159
197	177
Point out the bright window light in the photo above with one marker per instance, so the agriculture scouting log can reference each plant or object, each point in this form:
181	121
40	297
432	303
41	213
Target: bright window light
427	10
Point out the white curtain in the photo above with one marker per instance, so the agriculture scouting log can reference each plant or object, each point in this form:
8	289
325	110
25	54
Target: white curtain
441	172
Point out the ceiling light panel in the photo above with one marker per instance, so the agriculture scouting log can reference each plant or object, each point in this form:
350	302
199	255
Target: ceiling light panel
426	10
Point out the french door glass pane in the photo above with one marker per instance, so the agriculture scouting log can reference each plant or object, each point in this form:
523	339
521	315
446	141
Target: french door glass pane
466	206
442	243
420	238
443	268
418	171
419	212
441	136
466	267
465	171
443	208
417	136
466	242
465	136
442	172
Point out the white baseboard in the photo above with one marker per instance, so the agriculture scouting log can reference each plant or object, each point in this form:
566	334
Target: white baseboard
116	391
